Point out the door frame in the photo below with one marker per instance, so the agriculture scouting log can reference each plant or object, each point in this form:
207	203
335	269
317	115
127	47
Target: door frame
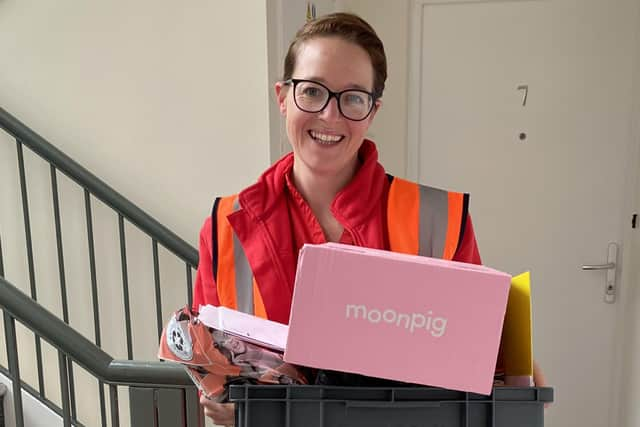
618	403
628	321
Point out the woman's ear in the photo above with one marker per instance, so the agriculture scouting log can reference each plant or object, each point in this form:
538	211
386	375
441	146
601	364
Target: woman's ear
376	107
281	95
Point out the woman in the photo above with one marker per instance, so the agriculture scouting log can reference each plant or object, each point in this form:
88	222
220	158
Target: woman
331	188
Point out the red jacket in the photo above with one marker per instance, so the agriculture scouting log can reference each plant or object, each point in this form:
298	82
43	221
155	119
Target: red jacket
275	221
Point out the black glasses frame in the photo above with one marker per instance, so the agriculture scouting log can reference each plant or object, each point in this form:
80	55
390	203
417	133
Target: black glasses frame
332	94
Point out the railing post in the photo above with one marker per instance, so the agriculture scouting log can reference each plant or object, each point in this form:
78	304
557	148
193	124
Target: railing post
64	389
94	296
189	286
1	259
125	286
115	411
63	280
158	290
29	241
14	368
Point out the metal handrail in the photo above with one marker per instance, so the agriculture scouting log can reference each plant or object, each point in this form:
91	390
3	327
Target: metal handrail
84	352
98	188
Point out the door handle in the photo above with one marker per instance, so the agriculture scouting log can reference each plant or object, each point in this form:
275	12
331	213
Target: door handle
610	267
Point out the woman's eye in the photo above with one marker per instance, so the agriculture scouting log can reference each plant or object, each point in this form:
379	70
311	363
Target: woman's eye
355	99
311	91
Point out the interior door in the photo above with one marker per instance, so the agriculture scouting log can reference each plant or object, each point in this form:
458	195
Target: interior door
527	106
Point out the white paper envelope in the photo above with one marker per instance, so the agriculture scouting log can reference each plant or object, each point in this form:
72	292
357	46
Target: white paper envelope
250	328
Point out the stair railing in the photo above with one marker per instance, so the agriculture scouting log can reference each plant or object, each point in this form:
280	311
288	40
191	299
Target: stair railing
126	212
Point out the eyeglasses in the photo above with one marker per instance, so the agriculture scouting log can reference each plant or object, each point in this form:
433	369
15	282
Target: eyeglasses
313	97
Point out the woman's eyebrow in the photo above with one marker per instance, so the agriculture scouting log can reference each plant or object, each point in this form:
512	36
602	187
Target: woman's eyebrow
349	86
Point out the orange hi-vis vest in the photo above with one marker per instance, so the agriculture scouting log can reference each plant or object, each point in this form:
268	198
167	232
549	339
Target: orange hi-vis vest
421	220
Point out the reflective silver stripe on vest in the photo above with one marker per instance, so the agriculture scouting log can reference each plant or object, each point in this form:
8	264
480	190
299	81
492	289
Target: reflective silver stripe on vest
434	213
244	275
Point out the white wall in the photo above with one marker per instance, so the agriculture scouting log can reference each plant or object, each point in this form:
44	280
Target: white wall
168	103
165	101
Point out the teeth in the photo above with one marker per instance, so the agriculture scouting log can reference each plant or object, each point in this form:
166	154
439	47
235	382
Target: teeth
326	138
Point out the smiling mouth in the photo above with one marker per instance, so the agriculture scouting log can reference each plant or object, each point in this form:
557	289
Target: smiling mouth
324	139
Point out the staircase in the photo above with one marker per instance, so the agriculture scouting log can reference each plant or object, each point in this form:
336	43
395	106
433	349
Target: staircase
159	394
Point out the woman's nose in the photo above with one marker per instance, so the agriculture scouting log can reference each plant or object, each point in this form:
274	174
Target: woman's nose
331	111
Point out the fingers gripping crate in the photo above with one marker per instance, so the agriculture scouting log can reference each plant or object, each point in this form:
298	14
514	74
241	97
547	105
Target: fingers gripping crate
330	406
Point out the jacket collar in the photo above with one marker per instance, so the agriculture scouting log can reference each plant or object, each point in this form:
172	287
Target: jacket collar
352	206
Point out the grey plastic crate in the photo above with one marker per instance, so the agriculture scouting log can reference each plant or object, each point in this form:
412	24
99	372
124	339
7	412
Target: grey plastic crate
331	406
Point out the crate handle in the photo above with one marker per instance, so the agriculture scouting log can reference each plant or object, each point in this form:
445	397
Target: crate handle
390	405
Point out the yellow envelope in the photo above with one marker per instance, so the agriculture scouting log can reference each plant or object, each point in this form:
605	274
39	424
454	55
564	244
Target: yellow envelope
516	346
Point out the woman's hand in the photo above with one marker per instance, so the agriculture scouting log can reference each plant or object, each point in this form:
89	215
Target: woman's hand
538	379
221	413
538	376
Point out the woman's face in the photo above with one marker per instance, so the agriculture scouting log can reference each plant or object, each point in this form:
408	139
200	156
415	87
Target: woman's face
327	143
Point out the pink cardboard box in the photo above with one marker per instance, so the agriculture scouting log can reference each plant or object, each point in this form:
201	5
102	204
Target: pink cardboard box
401	317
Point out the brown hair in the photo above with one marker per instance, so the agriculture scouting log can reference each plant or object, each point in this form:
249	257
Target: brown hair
349	27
